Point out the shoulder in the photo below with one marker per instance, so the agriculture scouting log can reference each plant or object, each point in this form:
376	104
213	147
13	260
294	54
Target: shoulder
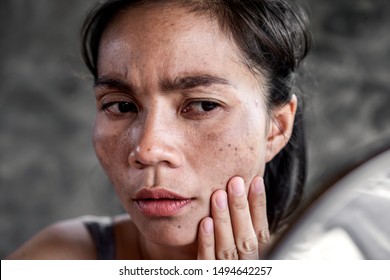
66	240
127	238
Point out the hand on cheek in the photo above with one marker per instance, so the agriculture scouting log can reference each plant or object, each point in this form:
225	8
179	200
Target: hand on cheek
238	225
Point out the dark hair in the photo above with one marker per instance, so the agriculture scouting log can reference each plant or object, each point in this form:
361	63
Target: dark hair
273	38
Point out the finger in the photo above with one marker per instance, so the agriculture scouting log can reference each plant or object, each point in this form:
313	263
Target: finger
244	234
206	244
258	209
225	248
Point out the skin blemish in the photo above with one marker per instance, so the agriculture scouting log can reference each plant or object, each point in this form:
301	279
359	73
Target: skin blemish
221	150
212	136
229	145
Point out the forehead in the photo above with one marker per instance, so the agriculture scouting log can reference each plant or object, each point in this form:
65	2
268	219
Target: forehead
146	17
156	29
162	42
165	18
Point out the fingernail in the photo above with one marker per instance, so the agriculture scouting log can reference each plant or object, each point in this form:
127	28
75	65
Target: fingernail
258	185
208	226
221	201
238	187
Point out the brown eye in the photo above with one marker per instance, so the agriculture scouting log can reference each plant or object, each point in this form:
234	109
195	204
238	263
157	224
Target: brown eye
208	106
127	107
201	107
120	107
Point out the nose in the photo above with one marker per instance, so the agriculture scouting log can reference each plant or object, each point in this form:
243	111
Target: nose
155	144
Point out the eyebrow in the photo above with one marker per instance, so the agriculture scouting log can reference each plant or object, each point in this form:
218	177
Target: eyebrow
179	83
189	82
114	83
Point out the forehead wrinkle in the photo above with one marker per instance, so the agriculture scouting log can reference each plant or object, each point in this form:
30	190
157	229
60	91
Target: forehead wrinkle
190	82
113	83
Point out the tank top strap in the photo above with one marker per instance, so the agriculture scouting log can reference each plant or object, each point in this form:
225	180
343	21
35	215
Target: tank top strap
102	233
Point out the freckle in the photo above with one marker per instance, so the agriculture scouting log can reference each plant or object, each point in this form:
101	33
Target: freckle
148	149
229	145
179	226
221	150
252	149
212	137
236	149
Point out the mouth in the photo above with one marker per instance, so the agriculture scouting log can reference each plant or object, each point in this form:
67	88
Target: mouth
160	202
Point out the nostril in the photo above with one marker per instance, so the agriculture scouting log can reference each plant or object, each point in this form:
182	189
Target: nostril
138	165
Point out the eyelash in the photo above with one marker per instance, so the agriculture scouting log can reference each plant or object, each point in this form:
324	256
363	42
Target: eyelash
194	109
108	107
202	105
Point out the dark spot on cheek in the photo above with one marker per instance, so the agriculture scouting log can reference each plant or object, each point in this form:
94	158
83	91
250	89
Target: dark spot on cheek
103	151
252	149
212	137
179	226
220	149
229	145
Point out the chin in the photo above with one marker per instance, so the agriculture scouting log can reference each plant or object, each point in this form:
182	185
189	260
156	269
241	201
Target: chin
169	233
172	240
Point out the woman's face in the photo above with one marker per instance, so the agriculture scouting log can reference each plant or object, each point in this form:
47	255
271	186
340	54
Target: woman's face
179	114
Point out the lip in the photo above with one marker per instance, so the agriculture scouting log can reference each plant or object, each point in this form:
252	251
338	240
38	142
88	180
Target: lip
160	202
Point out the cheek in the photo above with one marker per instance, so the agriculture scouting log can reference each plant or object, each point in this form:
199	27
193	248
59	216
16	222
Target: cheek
236	151
107	142
244	155
103	145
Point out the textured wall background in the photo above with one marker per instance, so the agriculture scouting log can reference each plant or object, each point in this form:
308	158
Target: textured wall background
47	167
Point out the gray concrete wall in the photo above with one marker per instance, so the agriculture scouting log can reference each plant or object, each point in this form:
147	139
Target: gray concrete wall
47	167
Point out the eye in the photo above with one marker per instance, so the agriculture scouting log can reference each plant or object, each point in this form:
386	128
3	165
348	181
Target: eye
208	106
201	107
120	107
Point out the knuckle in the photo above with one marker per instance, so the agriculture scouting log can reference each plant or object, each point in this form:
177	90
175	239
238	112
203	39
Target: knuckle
261	201
263	236
228	254
223	221
206	243
240	205
248	246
